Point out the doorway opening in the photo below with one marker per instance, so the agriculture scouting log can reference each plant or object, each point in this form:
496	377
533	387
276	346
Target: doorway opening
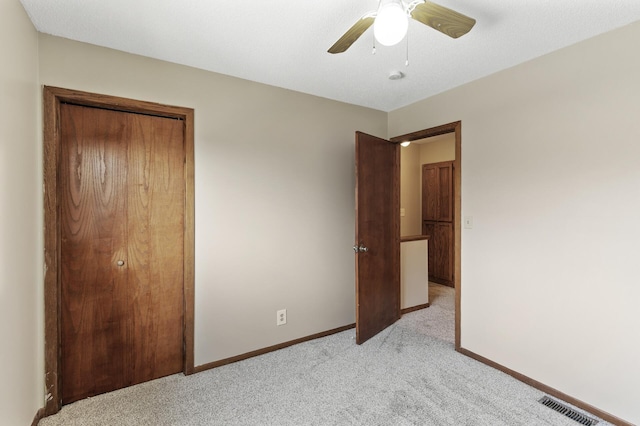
58	103
454	129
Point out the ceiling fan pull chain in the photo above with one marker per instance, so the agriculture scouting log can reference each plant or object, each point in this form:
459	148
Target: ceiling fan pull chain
406	64
374	46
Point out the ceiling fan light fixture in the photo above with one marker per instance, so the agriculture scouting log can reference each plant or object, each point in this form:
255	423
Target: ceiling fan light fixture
391	23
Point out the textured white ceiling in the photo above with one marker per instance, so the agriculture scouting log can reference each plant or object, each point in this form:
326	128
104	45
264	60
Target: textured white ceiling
284	43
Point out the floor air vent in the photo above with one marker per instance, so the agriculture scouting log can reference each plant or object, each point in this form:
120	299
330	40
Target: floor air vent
569	412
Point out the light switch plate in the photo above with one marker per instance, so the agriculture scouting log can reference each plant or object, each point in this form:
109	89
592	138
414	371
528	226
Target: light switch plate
401	212
468	222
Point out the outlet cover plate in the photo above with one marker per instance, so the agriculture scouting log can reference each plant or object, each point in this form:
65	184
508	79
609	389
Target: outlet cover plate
281	317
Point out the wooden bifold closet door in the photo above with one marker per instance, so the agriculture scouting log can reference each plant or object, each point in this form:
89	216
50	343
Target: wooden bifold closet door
437	220
121	224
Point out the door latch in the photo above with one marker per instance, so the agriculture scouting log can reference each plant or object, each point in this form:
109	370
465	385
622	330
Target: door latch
361	249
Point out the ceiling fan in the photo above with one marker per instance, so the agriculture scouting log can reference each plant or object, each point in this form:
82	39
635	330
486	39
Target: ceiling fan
391	20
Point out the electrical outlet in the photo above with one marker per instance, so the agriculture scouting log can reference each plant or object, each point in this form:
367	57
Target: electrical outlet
281	317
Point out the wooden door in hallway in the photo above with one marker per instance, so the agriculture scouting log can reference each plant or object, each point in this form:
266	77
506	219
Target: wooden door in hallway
121	197
437	220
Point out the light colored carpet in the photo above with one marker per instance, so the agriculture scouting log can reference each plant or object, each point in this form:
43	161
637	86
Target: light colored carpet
407	375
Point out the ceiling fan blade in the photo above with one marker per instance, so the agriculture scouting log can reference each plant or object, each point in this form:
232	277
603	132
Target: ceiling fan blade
445	20
352	34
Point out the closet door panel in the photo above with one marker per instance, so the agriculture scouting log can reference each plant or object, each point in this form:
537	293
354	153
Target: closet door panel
445	193
155	228
430	189
94	306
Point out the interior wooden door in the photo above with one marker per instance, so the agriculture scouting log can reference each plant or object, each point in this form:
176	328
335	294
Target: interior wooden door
377	239
121	221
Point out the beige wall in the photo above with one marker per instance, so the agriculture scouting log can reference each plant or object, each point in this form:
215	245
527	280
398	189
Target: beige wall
410	197
438	148
21	357
550	270
274	180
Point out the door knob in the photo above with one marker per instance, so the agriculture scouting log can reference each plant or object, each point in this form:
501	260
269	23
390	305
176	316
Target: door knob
361	249
120	262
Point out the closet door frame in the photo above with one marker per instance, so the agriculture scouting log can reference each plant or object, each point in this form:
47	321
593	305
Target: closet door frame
53	98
